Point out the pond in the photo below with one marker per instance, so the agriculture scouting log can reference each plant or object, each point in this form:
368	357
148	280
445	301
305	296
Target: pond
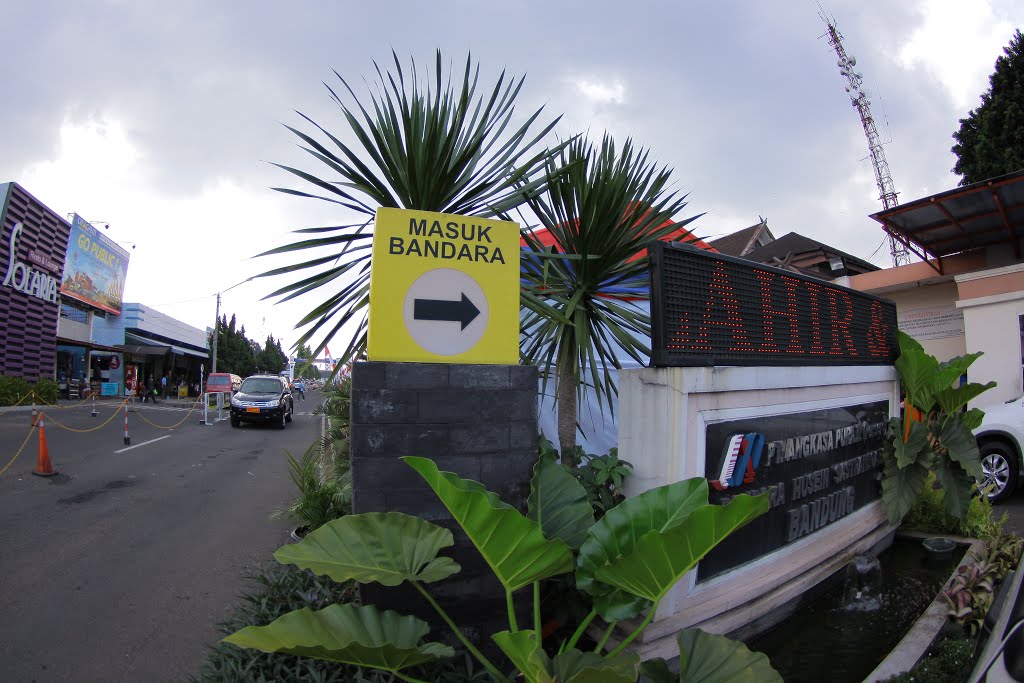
841	635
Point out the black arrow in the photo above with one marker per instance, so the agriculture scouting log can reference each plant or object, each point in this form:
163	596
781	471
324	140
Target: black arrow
448	311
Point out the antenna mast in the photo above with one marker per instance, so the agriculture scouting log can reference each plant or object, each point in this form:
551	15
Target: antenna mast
860	101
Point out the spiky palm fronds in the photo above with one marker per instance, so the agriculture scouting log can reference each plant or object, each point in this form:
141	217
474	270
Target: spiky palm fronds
429	144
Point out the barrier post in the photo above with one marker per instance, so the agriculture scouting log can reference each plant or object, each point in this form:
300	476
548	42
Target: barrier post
127	439
94	413
206	401
35	413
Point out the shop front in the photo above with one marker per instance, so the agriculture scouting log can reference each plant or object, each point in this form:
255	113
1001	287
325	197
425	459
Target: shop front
156	348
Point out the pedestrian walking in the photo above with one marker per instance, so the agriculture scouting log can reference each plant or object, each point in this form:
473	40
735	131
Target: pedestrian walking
151	390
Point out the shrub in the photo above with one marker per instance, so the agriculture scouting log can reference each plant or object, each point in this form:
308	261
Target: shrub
602	476
47	389
321	497
13	390
278	590
948	661
929	514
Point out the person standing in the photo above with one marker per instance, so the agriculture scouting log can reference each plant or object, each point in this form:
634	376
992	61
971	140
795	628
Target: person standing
163	385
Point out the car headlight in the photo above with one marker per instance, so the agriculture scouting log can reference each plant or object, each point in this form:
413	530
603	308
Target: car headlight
273	403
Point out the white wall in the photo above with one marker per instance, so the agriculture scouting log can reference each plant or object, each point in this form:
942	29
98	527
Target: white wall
663	416
993	327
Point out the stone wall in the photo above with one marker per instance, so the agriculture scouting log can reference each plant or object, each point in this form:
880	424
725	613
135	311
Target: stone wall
479	421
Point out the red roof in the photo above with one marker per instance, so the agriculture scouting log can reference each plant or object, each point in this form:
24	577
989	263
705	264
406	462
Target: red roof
680	235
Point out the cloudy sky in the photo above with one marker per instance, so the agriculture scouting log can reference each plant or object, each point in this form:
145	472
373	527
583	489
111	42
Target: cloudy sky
163	119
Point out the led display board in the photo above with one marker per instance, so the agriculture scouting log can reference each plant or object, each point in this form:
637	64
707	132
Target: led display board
95	268
710	309
817	466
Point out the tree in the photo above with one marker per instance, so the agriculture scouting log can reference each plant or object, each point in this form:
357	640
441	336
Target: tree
990	141
421	144
271	358
602	208
307	370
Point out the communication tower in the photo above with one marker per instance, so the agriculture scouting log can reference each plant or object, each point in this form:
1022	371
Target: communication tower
860	101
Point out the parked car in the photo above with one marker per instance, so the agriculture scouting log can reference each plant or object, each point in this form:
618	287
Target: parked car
222	382
1000	437
262	398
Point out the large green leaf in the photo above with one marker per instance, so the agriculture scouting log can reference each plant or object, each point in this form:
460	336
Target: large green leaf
386	547
363	636
908	452
709	658
661	558
558	502
902	485
512	545
957	487
916	369
523	648
963	447
618	532
951	399
575	666
972	418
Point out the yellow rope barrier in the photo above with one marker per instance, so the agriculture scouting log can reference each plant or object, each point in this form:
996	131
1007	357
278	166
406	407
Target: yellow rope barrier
23	443
86	431
173	426
54	405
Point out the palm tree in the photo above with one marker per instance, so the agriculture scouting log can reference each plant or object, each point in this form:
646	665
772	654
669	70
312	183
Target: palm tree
600	209
420	144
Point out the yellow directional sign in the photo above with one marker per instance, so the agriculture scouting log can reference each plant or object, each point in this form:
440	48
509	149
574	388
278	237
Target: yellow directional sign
444	289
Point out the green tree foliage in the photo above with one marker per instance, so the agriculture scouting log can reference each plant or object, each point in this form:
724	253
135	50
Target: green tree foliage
440	141
306	370
990	141
242	356
602	206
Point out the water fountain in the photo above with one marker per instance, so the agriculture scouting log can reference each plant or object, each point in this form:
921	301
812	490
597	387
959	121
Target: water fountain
862	590
847	629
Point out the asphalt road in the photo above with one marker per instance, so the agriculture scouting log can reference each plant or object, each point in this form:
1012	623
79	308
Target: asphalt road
120	567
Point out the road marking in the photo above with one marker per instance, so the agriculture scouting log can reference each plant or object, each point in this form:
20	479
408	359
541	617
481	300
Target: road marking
144	443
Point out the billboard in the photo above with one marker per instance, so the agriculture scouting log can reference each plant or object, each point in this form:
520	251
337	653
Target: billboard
95	268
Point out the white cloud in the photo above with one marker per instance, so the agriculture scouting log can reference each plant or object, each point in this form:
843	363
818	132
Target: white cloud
602	92
958	44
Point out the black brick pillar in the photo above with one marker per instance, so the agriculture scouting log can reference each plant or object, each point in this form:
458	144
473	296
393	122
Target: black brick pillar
479	421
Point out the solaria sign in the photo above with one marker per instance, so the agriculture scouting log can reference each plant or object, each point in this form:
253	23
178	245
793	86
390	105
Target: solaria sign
25	278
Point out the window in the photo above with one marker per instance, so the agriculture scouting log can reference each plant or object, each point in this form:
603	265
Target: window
73	314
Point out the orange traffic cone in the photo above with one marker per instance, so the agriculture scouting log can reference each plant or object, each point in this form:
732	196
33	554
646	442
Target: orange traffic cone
43	466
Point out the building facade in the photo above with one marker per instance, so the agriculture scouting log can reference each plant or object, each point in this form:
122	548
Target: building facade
33	244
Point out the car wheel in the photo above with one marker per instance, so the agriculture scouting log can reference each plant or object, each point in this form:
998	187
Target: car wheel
1001	469
235	422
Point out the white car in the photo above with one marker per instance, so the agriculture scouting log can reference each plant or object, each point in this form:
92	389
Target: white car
1000	438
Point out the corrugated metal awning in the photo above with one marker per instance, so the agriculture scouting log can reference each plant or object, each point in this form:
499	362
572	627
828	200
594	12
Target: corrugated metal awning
985	214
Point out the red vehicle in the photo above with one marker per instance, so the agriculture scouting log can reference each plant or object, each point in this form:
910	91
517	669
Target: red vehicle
222	383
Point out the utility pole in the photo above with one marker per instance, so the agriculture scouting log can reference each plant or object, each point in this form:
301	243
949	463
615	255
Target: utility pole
216	333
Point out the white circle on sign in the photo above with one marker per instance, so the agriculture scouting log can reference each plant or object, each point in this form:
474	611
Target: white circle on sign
445	311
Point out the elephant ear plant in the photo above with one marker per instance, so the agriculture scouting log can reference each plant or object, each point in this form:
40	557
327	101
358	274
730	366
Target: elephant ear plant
934	432
628	561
